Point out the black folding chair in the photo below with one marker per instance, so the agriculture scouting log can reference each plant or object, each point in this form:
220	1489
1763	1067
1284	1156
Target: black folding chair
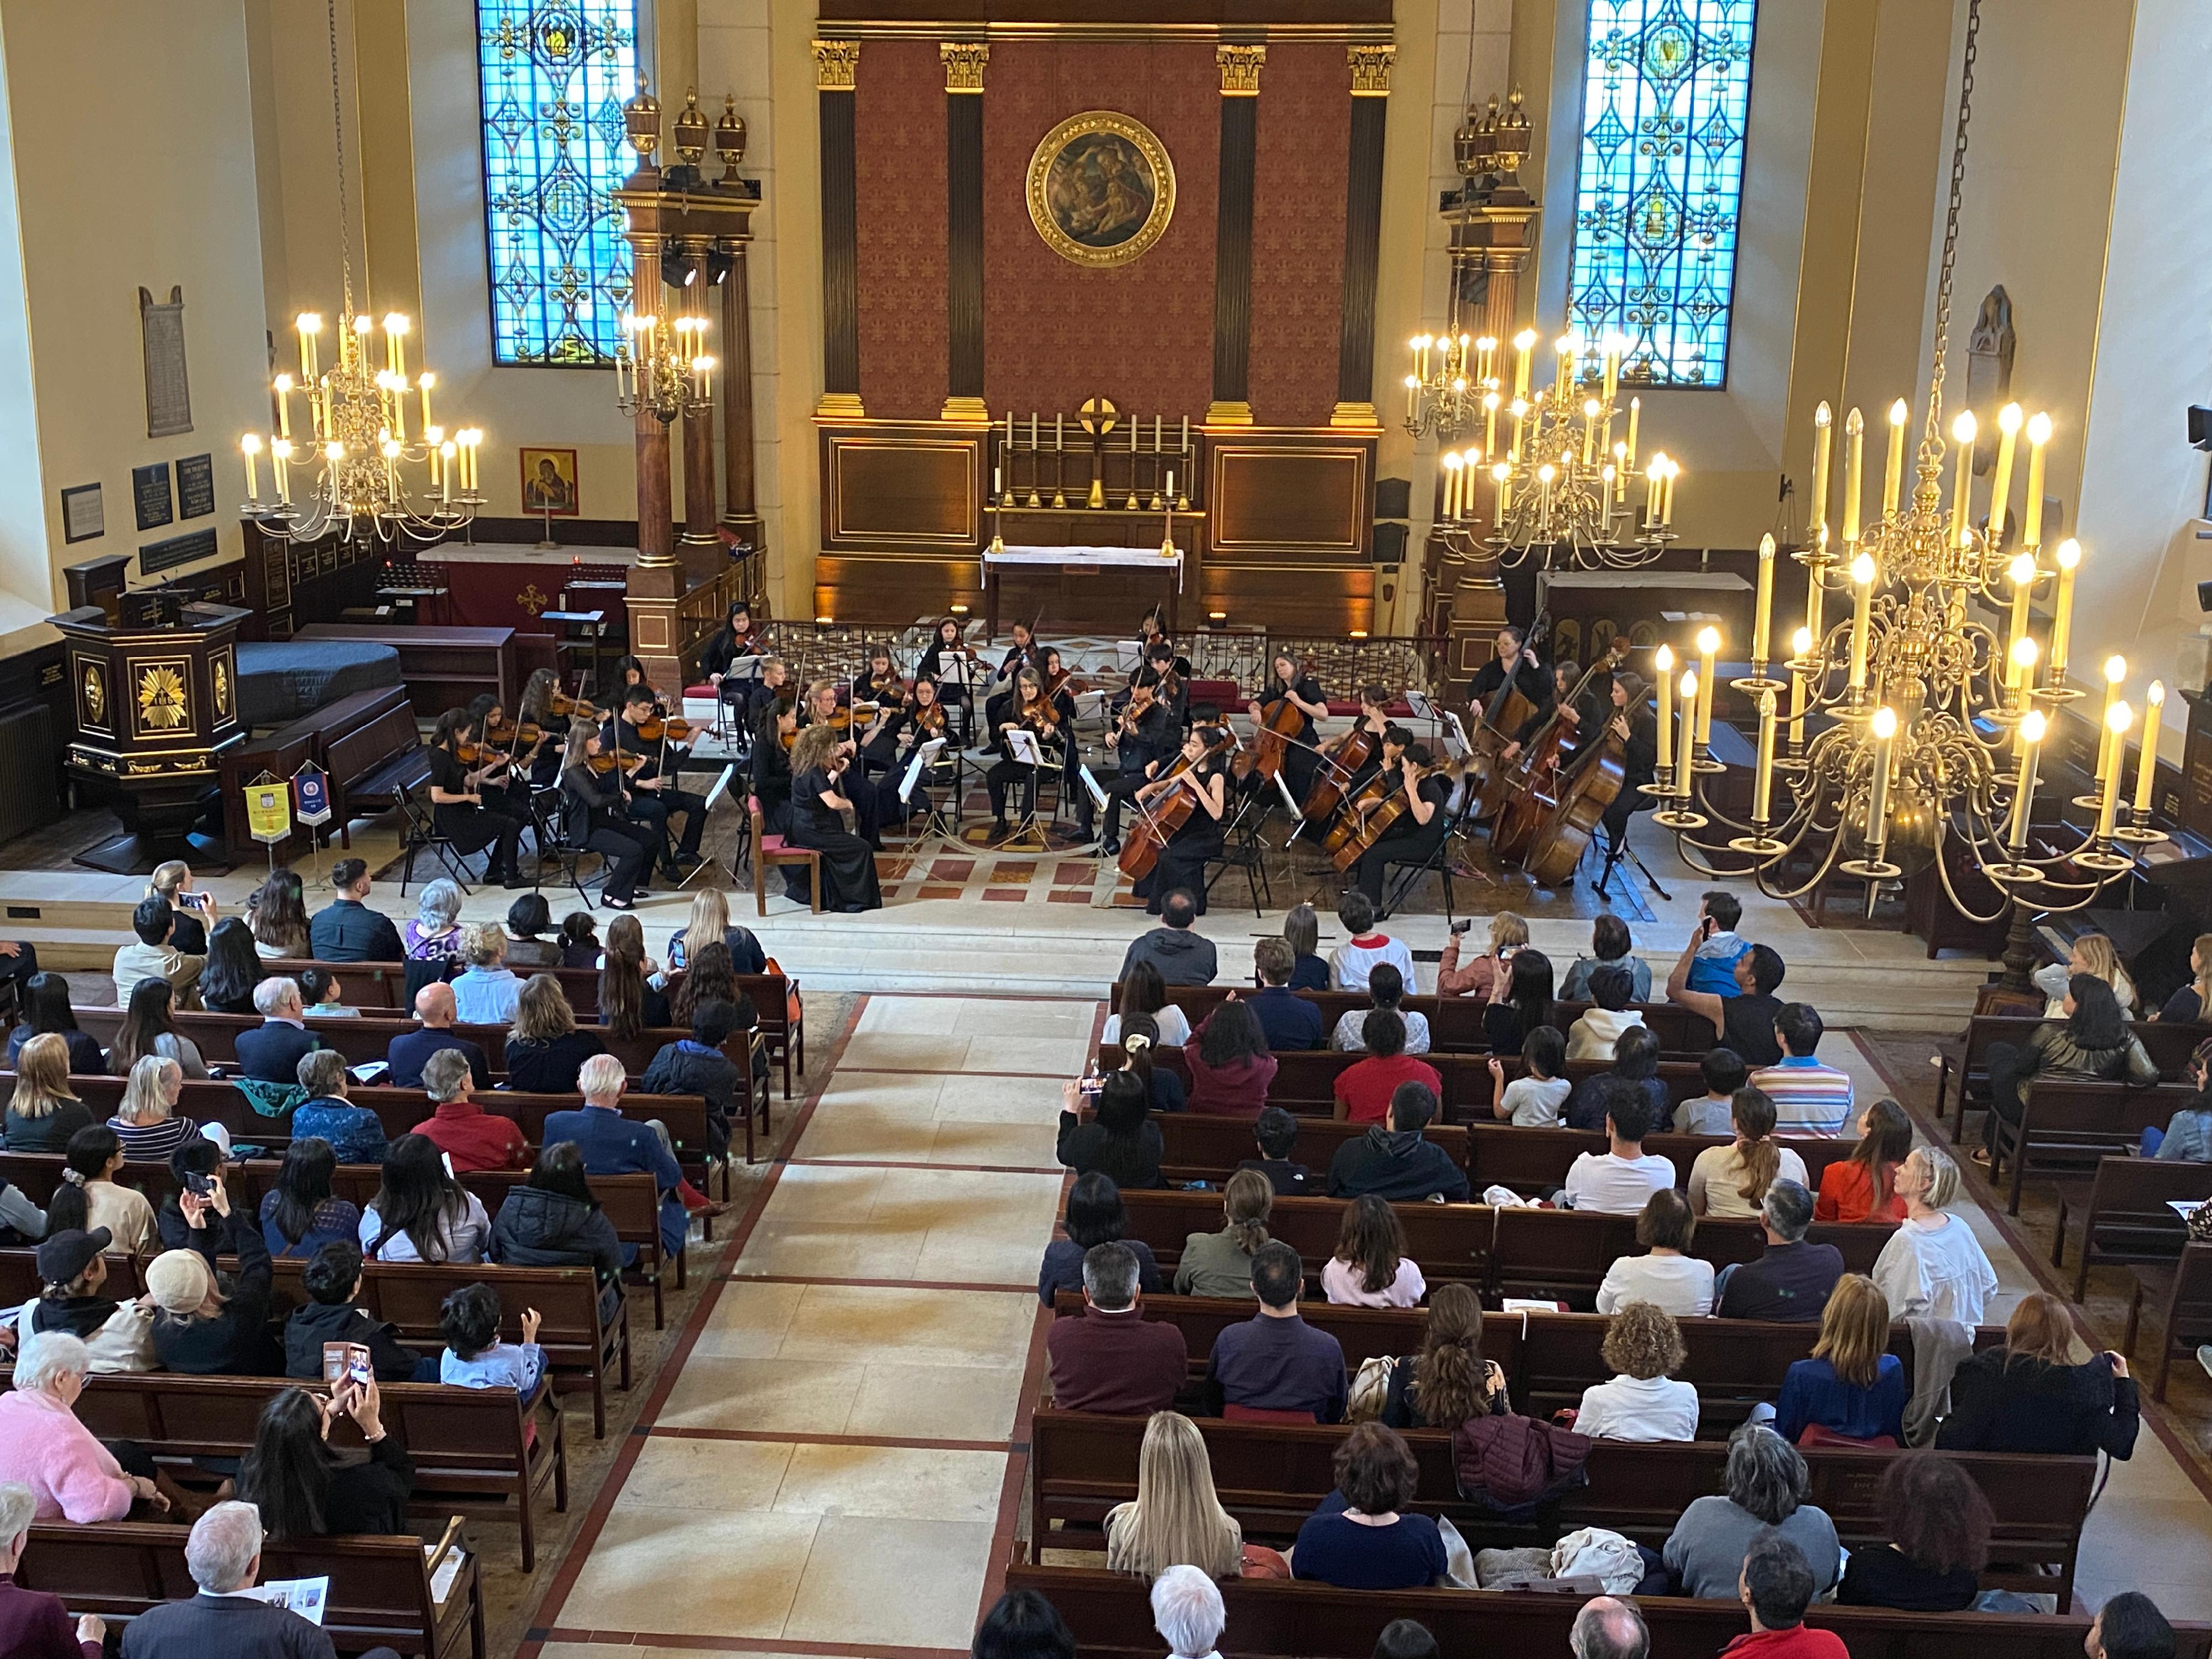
1242	848
420	833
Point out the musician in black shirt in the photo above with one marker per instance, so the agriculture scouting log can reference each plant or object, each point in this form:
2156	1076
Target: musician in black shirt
457	805
1198	840
1141	735
771	770
736	638
874	804
820	764
946	649
1028	710
1421	826
1304	692
1513	665
1638	729
595	816
655	794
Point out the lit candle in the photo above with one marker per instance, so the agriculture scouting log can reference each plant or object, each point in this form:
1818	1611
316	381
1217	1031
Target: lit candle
1709	647
426	379
1490	422
280	457
1862	617
306	322
2147	770
1823	434
2020	663
2000	480
2023	573
446	453
1498	475
395	343
1814	597
1892	473
1683	751
1854	468
1763	780
1412	397
2116	671
250	445
1564	345
2023	798
2031	518
1667	492
1519	411
1635	409
1760	617
1877	824
1524	344
1453	466
1662	668
1589	430
283	386
2062	615
2118	719
1802	649
1962	492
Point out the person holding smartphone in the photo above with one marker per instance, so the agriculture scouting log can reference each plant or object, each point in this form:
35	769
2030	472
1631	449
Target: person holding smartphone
196	912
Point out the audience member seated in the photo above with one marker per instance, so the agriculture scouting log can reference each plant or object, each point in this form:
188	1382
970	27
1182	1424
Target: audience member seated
1394	1161
323	996
709	921
545	1050
302	1490
435	1008
149	1027
146	1122
223	1555
332	1279
1188	1614
1023	1625
1220	1264
1229	1065
613	1145
486	991
347	930
1120	1140
46	1010
1113	1358
1275	1361
118	1336
1350	963
72	1477
1667	1275
1508	933
529	919
2093	1044
1302	933
475	1356
1742	1019
1642	1344
1385	991
628	1003
1144	992
1777	1584
1275	1135
270	1052
1939	1525
22	1221
1594	1035
2187	1137
1140	1043
278	913
2028	1397
2187	1005
696	1065
233	970
1364	1089
420	1212
190	1164
1732	1180
1766	1486
154	954
1371	1268
1176	1519
1534	1099
35	1625
1610	947
435	935
1288	1021
1719	946
1608	1628
1790	1279
460	1129
299	1212
1620	1180
43	1115
580	940
2130	1626
355	1133
1933	1265
1095	1216
1635	1068
1713	1112
87	1196
2093	954
1520	1001
199	1329
1809	1098
1448	1380
552	1220
1181	955
1852	1388
1361	1538
1864	1187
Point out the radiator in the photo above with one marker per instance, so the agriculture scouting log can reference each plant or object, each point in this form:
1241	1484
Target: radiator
30	768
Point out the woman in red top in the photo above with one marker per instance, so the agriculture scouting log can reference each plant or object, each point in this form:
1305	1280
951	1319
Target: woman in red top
1864	1187
1229	1065
1364	1089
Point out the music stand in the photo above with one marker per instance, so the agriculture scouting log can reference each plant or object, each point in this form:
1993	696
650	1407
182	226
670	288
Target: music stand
1454	735
1422	708
966	674
935	826
721	789
1023	749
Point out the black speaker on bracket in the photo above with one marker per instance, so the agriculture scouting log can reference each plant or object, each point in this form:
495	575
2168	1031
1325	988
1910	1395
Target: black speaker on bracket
1389	544
1393	498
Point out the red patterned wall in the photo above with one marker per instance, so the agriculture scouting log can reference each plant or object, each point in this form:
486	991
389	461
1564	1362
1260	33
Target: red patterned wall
898	143
1141	334
1299	182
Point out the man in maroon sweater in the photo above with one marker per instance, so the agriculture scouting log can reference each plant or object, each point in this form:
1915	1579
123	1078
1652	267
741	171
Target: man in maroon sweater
33	1624
1112	1359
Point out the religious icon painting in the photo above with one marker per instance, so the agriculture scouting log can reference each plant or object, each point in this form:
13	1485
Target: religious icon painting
549	483
1101	189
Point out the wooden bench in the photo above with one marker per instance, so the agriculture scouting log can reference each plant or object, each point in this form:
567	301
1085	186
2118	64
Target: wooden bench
1111	1616
469	1446
2067	1127
2129	1220
379	1595
1455	1023
2169	1044
1305	1083
1271	1476
2188	1320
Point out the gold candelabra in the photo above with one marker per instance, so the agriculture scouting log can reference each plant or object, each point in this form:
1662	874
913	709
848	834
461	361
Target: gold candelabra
660	367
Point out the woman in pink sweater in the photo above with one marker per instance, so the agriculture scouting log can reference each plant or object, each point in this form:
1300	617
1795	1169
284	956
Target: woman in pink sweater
73	1477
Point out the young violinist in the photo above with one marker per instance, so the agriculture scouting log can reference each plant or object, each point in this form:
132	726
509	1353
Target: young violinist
540	695
769	770
873	805
1023	654
1028	710
891	749
1139	738
880	684
595	816
737	638
457	803
1303	693
1513	668
496	769
1174	689
655	794
1423	819
773	684
820	765
1183	861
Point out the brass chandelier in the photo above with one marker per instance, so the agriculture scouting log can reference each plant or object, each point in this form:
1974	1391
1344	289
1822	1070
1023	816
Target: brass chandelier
355	468
1935	717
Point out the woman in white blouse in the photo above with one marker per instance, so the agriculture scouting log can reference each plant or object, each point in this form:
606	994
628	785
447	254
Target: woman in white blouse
1933	1265
1641	1402
1144	992
421	1213
1371	1268
1667	1275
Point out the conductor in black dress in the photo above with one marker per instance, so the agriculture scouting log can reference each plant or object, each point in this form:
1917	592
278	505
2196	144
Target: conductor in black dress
1420	828
1513	666
457	805
819	763
1183	861
1304	692
595	816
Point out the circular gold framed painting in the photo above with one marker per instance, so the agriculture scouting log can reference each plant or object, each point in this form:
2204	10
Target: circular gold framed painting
1101	189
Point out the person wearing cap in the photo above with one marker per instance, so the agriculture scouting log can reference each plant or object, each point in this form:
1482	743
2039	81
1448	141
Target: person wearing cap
198	1331
72	1477
118	1336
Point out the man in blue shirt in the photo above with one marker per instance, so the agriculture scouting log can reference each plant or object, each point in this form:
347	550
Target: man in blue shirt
1275	1361
1287	1020
614	1144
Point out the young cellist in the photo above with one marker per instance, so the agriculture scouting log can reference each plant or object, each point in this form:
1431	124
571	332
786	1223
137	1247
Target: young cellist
1198	839
1303	693
1422	822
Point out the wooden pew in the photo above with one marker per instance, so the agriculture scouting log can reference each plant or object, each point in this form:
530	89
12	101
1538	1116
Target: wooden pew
1305	1083
1272	1476
2067	1127
1111	1616
1455	1023
2169	1044
1565	1253
380	1593
2129	1220
471	1453
2188	1320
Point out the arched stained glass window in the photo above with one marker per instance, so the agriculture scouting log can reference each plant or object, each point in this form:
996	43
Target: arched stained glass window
553	75
1666	94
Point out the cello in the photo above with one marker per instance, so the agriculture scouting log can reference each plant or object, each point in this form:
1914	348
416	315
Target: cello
1341	762
1531	786
1592	786
1153	830
1365	828
1277	728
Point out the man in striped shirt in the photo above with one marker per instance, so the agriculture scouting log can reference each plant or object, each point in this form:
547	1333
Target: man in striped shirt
1809	1098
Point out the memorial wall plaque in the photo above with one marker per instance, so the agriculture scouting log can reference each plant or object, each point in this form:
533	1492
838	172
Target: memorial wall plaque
150	496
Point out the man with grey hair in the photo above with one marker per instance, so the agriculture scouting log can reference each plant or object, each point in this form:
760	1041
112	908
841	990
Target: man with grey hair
270	1052
1767	1486
1790	1281
436	1011
1112	1359
1609	1628
33	1624
1186	1612
223	1556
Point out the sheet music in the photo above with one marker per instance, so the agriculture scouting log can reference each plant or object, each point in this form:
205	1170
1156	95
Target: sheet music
1022	745
1098	795
920	762
721	785
1456	743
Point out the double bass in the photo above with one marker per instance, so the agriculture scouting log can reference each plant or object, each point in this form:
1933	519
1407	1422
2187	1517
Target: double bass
1153	830
1532	786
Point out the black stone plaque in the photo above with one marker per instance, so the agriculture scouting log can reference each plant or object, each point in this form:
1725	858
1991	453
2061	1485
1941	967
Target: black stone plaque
178	549
195	486
150	493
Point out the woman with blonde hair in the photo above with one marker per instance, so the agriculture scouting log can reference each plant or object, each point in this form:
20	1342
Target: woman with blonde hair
819	799
2030	1396
1177	1521
42	1113
1448	1380
1643	1343
545	1051
2093	955
1509	932
146	1122
1732	1180
1220	1264
1933	1265
710	920
1852	1388
487	990
2189	1003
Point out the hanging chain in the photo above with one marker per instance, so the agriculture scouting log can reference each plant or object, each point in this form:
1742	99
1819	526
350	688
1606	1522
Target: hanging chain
337	134
1951	210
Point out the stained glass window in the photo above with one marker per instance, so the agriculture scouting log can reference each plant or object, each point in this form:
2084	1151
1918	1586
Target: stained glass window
1666	92
555	74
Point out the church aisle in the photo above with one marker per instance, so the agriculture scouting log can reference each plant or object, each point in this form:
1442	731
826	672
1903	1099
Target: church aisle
828	1466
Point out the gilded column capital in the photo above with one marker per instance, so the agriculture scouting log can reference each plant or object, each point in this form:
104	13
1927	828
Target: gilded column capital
963	64
1240	69
1370	69
836	66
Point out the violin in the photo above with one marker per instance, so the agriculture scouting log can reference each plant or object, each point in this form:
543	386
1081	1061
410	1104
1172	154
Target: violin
562	706
930	721
671	728
511	734
843	719
1056	682
604	764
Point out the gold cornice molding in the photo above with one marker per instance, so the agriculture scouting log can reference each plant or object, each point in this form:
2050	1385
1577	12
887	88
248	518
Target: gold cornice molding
1103	33
964	62
1370	69
836	66
1240	69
